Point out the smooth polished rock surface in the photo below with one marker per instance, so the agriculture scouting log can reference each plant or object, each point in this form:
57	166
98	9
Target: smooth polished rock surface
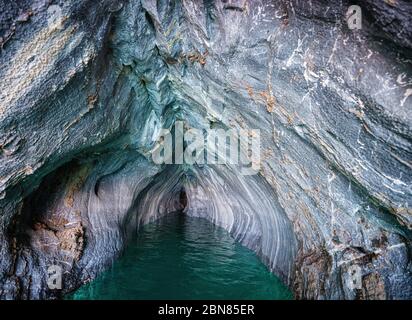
86	87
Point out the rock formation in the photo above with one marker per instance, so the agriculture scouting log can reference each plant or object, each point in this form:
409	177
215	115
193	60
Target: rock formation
86	86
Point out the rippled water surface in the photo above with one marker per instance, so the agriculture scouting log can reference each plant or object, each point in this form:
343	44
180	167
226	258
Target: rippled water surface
179	257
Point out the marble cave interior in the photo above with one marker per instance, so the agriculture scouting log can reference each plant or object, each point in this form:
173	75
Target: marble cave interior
88	89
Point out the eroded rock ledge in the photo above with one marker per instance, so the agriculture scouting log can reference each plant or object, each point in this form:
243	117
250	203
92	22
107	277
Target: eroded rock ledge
83	97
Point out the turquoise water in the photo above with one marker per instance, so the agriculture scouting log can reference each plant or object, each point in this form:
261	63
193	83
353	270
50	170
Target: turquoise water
180	257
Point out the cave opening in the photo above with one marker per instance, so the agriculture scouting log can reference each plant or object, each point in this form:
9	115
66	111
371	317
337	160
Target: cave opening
183	199
182	257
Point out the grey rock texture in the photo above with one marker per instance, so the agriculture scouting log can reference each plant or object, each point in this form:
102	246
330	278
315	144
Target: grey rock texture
84	92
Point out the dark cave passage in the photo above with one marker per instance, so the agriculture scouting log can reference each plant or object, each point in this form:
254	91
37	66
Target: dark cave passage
183	199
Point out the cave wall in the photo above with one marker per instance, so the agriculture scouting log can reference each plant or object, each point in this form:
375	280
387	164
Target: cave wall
84	96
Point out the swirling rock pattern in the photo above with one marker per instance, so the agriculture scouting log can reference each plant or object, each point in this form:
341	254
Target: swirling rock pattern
84	94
